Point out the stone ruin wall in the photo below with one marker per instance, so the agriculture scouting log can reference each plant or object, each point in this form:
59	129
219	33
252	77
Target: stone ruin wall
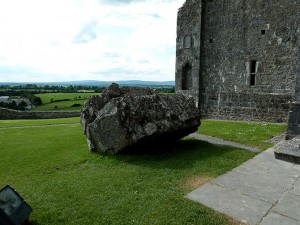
246	106
189	23
9	114
234	35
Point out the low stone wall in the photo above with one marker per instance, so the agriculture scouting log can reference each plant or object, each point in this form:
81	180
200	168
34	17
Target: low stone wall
246	106
9	114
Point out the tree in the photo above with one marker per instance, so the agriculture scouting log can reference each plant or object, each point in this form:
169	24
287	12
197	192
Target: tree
12	105
37	101
22	105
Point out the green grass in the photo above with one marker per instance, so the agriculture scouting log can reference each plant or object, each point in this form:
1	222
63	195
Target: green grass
63	106
62	101
251	134
46	98
54	171
37	122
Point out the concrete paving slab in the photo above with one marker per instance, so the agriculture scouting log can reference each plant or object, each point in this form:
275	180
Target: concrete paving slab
289	206
277	219
296	189
269	157
263	191
296	167
257	184
257	167
236	205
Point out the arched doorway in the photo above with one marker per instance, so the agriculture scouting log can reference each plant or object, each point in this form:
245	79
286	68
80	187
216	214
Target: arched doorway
187	77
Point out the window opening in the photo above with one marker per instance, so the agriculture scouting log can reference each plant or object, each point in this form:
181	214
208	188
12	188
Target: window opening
187	77
187	41
253	65
211	40
252	79
263	32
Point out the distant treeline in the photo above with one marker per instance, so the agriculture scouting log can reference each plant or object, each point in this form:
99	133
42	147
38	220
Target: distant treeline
13	105
38	89
21	90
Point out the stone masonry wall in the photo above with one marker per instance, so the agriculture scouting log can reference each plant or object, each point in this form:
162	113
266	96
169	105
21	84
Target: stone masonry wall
8	114
246	106
249	57
188	24
236	32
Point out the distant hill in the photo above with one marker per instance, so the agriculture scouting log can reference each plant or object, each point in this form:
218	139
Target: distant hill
97	83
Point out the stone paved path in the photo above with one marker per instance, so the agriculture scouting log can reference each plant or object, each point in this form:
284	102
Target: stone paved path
218	141
263	191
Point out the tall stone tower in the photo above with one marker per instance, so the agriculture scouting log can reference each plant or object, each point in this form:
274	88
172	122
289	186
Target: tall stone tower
239	59
188	48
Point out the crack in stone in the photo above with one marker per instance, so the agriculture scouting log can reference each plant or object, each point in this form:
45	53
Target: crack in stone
276	203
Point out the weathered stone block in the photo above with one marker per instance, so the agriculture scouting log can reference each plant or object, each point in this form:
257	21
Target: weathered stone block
123	119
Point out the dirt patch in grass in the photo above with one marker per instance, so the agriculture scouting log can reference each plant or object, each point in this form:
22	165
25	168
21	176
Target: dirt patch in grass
195	182
236	222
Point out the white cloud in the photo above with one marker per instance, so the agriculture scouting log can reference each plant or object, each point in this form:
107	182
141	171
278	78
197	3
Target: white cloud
54	40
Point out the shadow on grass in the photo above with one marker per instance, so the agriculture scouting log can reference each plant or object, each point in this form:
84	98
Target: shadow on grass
33	223
182	154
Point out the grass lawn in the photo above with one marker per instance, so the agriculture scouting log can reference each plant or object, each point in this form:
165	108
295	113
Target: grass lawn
62	101
251	134
60	106
37	122
46	98
52	168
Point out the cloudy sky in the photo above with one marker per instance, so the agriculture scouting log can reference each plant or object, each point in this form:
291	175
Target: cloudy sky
63	40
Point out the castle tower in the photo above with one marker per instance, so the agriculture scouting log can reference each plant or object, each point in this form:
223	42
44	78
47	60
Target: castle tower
188	45
239	59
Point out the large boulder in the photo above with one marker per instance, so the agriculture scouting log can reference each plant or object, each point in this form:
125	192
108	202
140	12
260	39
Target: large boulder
124	119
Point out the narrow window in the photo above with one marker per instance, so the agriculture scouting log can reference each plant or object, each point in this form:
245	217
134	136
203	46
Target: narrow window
187	77
263	32
187	41
253	65
211	40
252	79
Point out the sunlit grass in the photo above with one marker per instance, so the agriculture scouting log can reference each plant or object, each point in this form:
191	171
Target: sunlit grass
64	183
251	134
60	106
37	122
62	101
47	97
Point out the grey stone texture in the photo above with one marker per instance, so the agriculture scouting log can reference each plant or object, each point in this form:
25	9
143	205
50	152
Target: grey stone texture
278	219
9	114
244	58
293	121
262	191
288	150
125	119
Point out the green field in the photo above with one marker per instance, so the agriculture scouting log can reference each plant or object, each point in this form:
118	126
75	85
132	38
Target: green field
54	171
37	122
62	101
251	134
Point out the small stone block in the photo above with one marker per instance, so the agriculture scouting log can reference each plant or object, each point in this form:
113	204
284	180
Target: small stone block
236	205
